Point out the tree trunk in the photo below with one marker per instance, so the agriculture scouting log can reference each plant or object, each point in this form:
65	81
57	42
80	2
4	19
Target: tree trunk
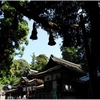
94	18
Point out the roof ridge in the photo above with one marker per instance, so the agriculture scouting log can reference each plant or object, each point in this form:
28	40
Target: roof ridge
55	67
66	62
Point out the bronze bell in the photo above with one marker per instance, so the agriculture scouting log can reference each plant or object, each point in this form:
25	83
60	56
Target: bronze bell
34	33
51	40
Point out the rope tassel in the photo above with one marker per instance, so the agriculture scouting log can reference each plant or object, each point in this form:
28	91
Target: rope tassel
51	40
34	32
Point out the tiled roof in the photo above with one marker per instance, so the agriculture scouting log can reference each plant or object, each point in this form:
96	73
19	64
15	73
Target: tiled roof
39	81
49	70
31	72
25	79
10	90
39	86
6	89
65	63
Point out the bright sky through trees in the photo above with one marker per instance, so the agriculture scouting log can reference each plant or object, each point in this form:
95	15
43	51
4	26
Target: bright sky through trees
40	46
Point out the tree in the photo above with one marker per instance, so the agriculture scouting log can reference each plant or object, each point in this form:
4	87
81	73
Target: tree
33	60
13	32
39	62
18	69
23	67
75	55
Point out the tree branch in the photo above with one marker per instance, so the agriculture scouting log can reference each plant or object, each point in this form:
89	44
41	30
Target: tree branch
33	16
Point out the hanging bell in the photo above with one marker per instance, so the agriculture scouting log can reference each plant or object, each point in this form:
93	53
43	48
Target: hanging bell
34	33
51	40
15	22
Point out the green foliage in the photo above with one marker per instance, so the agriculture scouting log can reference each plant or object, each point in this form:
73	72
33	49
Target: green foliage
39	62
11	42
18	69
75	55
33	60
69	54
23	67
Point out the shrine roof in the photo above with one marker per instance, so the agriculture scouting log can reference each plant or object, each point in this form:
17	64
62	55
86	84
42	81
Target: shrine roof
54	61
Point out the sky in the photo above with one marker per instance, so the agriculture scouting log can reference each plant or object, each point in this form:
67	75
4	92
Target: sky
40	46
